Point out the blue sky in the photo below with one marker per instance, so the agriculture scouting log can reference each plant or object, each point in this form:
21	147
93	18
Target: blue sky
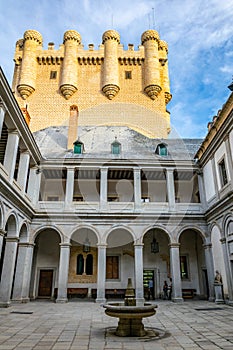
199	34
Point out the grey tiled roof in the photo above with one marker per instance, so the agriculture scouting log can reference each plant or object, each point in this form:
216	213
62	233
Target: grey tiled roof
97	141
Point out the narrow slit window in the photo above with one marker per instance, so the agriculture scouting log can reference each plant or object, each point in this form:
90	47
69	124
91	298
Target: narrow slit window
53	74
128	74
223	172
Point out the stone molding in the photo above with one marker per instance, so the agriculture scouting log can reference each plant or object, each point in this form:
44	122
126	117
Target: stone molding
110	90
152	91
33	35
68	90
72	35
111	35
150	35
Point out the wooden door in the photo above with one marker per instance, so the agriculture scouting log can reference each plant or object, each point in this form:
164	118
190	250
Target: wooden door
45	283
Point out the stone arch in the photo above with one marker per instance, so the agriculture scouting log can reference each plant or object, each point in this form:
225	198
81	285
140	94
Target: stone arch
119	228
1	216
24	232
193	267
83	256
11	225
228	225
156	259
48	227
45	265
217	252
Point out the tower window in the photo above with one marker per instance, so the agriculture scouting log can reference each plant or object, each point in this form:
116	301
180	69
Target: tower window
223	172
128	74
53	74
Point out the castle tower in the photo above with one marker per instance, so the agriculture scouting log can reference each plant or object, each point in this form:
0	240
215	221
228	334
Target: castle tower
27	83
109	84
69	78
111	40
152	82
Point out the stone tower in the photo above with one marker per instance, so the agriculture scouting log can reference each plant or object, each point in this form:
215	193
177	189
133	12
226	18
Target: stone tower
109	85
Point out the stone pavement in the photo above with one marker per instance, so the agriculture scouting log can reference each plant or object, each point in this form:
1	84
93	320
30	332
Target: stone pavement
82	325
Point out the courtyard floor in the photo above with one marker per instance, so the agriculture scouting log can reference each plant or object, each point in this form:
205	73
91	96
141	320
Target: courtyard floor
83	325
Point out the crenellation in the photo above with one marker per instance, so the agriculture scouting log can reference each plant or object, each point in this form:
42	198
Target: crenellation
106	75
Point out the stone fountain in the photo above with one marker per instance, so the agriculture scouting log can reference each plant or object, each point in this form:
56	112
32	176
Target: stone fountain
130	315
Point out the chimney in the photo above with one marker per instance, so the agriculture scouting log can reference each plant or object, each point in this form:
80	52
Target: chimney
26	115
73	126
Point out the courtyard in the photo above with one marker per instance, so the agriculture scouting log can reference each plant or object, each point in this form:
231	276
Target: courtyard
83	325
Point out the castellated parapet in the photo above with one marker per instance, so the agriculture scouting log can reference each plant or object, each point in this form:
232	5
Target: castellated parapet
109	85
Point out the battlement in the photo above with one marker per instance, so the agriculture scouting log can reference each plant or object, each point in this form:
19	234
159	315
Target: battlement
50	80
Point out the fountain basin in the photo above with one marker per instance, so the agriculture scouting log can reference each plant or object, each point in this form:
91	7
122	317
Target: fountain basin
130	318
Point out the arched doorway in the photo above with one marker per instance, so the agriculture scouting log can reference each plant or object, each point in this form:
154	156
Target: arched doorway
45	264
193	269
156	262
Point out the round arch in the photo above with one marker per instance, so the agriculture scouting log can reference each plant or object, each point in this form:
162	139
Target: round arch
1	216
48	227
11	225
24	232
80	231
191	228
119	229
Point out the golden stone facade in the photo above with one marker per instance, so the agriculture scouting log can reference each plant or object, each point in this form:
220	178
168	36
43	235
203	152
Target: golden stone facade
109	85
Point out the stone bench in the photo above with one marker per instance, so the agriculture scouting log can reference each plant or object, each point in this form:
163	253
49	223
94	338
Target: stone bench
188	293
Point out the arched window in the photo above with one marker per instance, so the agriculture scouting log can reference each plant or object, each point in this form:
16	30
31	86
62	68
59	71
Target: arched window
89	264
80	265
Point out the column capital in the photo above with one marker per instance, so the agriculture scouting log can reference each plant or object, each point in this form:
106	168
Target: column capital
103	168
140	245
223	240
13	131
2	232
207	246
174	245
169	170
12	239
27	245
65	245
102	245
70	168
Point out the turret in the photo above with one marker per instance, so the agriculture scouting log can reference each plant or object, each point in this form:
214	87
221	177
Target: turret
31	42
111	40
69	78
152	83
163	51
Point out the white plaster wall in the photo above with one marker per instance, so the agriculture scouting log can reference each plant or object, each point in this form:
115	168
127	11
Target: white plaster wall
88	189
54	187
208	181
156	190
221	151
218	255
185	191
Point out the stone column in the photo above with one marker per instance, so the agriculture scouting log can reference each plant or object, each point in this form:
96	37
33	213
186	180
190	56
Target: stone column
63	273
103	188
23	272
101	273
69	188
2	234
8	271
23	169
228	270
138	262
34	184
137	188
210	269
11	153
175	271
170	188
2	117
201	188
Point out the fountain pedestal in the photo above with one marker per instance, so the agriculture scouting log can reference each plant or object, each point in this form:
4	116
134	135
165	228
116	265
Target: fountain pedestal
130	315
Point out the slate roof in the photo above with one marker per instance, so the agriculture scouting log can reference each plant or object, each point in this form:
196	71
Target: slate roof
97	141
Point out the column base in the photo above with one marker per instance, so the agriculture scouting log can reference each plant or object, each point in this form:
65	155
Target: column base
100	300
211	299
5	304
62	300
230	302
219	301
178	300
